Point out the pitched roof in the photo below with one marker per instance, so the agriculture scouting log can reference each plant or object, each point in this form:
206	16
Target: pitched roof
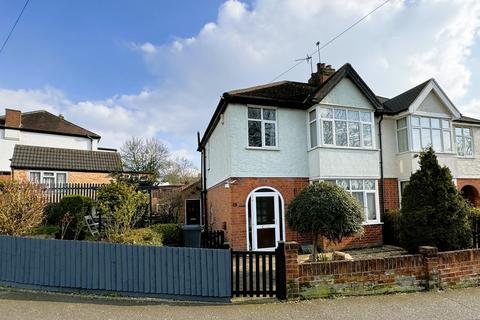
289	94
46	122
403	100
33	157
470	120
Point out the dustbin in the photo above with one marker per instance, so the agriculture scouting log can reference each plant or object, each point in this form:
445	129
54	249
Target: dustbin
192	235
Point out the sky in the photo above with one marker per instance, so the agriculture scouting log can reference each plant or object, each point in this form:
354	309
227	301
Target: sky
157	68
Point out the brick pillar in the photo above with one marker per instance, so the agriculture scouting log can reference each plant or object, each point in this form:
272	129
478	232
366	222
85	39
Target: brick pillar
430	261
292	269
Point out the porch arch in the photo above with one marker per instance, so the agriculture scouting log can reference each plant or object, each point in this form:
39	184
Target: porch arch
471	194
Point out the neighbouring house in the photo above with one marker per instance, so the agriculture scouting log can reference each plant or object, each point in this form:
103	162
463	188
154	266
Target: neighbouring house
265	143
177	203
45	148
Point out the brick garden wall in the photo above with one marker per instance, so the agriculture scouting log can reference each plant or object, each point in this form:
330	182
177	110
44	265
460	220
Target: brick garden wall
426	270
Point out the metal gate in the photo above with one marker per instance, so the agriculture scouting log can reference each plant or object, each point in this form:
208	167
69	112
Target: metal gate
257	274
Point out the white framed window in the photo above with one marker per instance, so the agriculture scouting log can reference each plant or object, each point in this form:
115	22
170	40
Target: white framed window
365	191
401	188
402	135
343	127
464	141
433	132
262	127
313	131
48	178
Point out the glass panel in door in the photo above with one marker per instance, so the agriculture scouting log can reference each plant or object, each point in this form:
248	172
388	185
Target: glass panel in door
266	218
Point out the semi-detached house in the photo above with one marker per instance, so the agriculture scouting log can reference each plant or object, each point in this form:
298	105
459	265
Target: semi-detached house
265	143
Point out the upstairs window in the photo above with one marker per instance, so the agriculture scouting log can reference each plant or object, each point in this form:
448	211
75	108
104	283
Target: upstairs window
402	135
346	128
312	117
431	132
262	127
464	139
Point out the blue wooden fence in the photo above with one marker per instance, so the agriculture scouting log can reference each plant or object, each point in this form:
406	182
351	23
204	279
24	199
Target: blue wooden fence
166	272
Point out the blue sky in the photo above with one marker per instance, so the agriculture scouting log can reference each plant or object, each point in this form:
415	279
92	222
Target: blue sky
157	68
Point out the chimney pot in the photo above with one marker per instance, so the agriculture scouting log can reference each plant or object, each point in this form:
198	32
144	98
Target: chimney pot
13	118
324	72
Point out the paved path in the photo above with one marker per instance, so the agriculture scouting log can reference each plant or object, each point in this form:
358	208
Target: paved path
455	304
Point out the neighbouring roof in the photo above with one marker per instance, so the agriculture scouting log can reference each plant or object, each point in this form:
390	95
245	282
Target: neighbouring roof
464	119
289	94
403	101
43	158
45	122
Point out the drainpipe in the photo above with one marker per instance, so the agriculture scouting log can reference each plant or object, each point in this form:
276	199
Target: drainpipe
382	179
204	183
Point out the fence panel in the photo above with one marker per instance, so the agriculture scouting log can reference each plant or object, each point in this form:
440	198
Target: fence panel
61	265
55	193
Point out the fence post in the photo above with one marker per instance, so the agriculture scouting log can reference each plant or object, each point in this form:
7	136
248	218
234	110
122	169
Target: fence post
280	274
430	262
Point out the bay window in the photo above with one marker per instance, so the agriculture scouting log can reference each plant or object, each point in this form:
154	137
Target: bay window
365	191
425	132
262	127
464	140
341	127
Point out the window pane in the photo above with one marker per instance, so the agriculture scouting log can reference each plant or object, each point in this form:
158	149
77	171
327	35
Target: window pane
269	114
425	122
367	135
402	123
340	114
415	121
61	178
254	134
344	183
426	139
313	134
326	113
402	140
447	141
328	132
468	146
458	131
466	132
35	177
460	146
416	140
312	115
354	134
49	181
435	123
369	184
371	207
445	124
270	134
356	184
437	140
254	113
359	197
341	133
353	115
366	116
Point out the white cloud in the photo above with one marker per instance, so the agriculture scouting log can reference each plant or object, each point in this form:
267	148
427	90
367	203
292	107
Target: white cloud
472	108
400	45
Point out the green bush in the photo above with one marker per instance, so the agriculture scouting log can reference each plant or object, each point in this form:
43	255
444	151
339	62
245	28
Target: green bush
391	226
171	233
325	209
145	236
121	207
434	213
70	214
46	229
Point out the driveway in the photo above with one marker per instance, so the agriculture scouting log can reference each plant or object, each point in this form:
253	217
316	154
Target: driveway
454	304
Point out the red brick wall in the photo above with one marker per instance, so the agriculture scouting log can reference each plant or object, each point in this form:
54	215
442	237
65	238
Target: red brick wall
226	207
459	268
475	183
391	193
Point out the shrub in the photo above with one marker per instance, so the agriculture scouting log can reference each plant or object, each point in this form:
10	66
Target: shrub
325	209
434	213
72	210
121	207
46	229
145	236
171	233
21	208
391	227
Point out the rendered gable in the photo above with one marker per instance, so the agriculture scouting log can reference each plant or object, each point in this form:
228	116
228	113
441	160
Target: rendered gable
346	93
433	104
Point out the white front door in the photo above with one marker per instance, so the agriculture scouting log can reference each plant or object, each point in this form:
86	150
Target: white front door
265	221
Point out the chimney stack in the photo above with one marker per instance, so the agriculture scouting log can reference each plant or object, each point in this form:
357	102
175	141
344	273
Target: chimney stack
13	118
324	72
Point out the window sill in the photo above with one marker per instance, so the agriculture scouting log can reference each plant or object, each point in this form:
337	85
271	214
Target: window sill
263	148
371	223
342	148
466	157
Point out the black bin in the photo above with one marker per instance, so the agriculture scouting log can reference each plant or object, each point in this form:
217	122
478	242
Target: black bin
192	235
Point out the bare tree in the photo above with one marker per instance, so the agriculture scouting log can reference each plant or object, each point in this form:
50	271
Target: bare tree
182	171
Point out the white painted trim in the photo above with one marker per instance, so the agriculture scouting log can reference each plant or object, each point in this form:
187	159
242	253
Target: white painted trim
42	172
262	128
399	185
433	86
200	212
274	191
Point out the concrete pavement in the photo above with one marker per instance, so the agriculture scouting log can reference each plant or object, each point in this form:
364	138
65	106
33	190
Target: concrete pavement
453	304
